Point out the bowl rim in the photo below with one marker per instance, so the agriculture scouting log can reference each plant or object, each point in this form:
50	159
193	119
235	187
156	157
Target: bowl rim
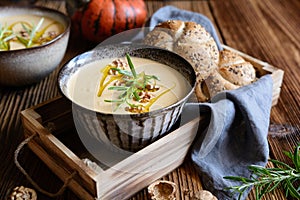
133	115
42	9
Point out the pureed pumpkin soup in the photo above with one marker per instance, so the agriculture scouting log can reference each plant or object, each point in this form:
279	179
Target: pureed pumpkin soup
127	85
27	30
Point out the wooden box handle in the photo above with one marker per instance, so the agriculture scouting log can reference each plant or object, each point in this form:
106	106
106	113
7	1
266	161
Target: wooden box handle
37	187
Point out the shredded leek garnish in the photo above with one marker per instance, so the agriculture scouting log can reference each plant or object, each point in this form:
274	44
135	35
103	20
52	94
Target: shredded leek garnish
30	35
131	86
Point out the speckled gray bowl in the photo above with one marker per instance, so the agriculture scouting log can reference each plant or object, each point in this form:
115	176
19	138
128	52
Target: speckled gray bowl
27	66
127	131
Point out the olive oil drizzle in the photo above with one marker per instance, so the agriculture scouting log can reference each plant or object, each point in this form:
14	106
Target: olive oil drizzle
103	85
153	100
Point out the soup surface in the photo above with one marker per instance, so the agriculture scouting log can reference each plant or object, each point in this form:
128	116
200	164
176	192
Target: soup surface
85	89
24	31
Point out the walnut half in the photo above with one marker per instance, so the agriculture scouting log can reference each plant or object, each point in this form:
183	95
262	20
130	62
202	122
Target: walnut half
23	193
162	190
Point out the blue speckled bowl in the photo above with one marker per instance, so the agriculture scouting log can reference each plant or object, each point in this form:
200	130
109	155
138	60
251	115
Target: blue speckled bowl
127	131
27	66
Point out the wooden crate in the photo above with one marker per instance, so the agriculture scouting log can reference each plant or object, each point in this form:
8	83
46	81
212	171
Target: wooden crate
56	143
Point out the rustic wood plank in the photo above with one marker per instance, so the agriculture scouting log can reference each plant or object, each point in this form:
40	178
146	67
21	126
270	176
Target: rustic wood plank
286	19
267	30
271	33
265	45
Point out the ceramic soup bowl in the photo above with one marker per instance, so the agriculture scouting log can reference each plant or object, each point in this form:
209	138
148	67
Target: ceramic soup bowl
23	62
128	131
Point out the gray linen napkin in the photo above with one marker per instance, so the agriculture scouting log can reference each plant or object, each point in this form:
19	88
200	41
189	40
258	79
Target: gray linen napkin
236	136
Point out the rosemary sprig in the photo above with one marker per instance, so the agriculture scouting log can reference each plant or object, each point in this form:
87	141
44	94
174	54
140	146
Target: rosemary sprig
265	180
133	84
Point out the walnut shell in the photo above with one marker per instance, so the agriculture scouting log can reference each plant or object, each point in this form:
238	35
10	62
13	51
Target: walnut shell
204	195
162	190
23	193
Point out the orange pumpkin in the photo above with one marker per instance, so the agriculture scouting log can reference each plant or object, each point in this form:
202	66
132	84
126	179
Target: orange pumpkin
100	19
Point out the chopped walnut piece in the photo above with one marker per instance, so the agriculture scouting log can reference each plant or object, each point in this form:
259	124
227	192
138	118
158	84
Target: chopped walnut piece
119	83
113	72
118	63
52	34
138	109
152	88
145	97
24	34
121	64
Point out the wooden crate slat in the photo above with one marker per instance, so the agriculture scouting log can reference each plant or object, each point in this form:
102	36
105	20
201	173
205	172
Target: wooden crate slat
162	154
67	158
58	170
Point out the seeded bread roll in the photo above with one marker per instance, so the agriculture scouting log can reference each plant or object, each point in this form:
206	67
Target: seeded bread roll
200	59
233	72
160	39
190	40
216	70
235	69
212	85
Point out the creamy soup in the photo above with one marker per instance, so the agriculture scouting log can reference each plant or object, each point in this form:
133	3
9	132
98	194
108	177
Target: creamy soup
18	29
88	87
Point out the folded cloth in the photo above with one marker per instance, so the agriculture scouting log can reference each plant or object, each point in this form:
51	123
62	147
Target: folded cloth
236	136
170	12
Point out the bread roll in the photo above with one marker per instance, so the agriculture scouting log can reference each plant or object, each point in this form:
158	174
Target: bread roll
235	69
216	70
190	40
232	72
212	85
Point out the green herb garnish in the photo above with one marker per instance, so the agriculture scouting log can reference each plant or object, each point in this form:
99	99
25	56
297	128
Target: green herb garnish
5	36
132	69
265	180
29	36
32	32
132	84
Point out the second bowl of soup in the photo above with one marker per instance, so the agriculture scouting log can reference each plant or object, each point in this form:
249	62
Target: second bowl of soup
33	42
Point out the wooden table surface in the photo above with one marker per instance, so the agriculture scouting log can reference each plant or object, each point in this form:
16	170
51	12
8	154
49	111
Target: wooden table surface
267	30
